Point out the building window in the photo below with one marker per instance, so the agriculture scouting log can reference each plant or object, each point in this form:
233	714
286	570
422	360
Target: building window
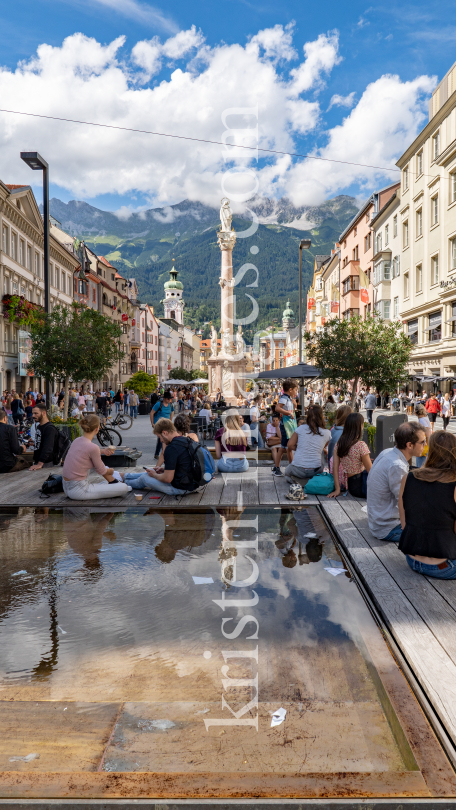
386	235
406	285
379	242
386	309
436	145
435	270
94	296
355	231
124	329
22	252
419	278
453	253
419	222
453	187
349	284
435	210
453	319
405	178
14	246
395	226
419	163
350	313
412	330
405	234
5	239
396	266
29	258
435	326
367	242
396	307
355	253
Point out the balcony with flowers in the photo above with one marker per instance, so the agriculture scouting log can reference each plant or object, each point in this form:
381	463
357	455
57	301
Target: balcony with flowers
16	309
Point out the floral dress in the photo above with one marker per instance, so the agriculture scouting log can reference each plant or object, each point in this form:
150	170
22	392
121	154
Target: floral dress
351	464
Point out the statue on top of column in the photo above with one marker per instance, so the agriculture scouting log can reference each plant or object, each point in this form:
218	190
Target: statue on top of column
225	215
213	341
239	340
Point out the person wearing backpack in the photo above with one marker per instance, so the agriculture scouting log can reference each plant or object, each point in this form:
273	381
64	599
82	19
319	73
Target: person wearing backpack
163	409
45	439
177	477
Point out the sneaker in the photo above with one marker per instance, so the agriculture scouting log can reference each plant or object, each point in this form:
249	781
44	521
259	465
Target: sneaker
296	493
277	471
129	488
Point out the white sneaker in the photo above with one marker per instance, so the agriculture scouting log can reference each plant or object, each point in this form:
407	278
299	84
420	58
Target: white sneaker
129	488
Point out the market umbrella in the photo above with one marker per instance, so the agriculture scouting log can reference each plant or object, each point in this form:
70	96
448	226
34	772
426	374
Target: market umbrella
302	370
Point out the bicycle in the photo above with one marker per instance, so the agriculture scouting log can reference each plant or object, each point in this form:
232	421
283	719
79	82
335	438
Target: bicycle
121	420
107	436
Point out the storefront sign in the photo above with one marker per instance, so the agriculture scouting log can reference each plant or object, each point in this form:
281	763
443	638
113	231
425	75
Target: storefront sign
125	317
24	346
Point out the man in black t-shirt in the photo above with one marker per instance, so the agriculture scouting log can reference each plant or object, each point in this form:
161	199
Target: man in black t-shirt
10	448
45	437
176	478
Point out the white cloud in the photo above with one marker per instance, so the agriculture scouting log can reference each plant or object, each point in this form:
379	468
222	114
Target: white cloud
148	54
321	56
381	126
342	101
85	80
276	42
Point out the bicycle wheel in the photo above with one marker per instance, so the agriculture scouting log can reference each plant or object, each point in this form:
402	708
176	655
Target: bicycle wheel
124	421
107	436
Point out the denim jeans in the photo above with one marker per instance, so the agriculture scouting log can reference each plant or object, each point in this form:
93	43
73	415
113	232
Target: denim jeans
369	415
395	534
232	465
420	460
433	570
118	404
300	472
256	436
133	411
145	481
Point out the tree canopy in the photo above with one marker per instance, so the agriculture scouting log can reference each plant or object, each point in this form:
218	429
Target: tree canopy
371	350
74	343
180	373
142	384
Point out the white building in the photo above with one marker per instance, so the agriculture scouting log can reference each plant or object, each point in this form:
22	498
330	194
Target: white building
22	274
173	302
387	259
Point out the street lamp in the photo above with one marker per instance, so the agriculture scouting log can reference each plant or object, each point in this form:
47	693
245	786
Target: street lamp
37	163
303	245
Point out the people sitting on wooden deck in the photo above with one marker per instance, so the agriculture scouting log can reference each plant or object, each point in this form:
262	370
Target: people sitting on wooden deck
351	459
308	442
176	476
10	448
231	445
45	438
274	438
427	506
83	456
385	477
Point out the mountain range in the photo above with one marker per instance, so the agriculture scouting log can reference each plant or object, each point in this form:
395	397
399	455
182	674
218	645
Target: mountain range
143	244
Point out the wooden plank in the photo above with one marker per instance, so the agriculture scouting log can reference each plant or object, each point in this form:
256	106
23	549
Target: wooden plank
193	499
249	488
439	616
431	664
229	496
213	491
266	487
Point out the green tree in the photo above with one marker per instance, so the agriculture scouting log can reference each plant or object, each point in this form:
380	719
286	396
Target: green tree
143	384
180	373
74	343
371	351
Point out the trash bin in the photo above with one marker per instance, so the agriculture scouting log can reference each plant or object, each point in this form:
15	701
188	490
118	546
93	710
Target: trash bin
144	407
123	457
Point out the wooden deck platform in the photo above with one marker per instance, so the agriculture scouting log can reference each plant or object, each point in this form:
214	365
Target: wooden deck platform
419	613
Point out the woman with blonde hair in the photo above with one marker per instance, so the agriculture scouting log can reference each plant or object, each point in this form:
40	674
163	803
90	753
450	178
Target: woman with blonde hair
231	444
427	508
84	456
338	428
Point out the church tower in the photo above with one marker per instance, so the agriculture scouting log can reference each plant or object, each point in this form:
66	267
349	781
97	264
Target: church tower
173	302
288	319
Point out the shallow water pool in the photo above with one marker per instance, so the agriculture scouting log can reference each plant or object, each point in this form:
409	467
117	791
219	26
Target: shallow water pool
145	651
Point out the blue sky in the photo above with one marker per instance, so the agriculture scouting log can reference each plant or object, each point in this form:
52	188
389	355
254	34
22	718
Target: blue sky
300	108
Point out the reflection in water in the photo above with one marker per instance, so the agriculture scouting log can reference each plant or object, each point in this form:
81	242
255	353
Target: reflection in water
228	552
180	535
84	532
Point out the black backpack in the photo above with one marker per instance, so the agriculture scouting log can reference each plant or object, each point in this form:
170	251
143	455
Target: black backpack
198	462
52	485
62	444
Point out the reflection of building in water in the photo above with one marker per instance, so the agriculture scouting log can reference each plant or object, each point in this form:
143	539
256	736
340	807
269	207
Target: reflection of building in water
181	533
227	553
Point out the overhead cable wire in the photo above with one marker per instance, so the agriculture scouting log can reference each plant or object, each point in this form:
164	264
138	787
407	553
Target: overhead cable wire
205	140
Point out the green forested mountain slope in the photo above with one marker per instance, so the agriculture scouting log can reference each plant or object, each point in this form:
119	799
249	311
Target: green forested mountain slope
143	247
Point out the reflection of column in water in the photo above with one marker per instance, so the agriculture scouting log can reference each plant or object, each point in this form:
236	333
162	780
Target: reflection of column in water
228	552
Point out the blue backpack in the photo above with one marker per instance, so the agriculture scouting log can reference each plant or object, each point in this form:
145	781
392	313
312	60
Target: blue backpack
322	484
203	465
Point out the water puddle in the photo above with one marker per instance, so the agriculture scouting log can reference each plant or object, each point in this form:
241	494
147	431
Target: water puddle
144	643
